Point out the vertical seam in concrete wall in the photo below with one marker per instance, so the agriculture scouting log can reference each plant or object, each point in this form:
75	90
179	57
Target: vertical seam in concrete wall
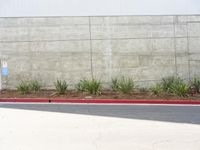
188	53
91	51
175	56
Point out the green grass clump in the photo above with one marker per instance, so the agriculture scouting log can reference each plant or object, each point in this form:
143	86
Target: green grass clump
81	85
124	84
175	85
196	83
114	84
168	83
35	85
180	89
61	86
157	89
171	85
92	86
24	87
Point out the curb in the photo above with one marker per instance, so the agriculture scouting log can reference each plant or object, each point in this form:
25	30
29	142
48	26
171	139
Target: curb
98	101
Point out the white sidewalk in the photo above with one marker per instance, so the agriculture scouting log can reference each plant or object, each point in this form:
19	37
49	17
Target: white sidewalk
39	130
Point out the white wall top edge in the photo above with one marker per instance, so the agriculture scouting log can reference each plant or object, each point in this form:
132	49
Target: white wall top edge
17	8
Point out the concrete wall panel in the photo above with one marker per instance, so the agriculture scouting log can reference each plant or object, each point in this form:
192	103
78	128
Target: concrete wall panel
193	29
146	48
132	20
194	46
181	45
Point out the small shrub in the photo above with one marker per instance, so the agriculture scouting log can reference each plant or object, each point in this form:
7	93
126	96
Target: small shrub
81	85
175	85
168	83
124	84
114	84
24	87
92	86
196	83
35	85
61	86
156	89
180	89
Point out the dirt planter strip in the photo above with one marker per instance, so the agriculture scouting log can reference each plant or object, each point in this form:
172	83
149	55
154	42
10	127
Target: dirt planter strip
25	100
98	101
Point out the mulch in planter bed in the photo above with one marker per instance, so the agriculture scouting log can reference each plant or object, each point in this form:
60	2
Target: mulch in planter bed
84	95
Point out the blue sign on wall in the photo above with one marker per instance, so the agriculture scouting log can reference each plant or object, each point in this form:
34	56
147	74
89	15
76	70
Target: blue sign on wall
5	71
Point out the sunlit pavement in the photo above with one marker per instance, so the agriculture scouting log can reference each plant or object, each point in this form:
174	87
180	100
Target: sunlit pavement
24	128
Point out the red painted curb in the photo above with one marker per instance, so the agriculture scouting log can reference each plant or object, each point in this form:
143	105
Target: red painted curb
125	101
98	101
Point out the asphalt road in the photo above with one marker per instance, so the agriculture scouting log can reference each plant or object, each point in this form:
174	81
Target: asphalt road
167	113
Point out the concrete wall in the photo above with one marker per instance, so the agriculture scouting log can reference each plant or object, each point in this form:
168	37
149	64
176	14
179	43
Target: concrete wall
146	48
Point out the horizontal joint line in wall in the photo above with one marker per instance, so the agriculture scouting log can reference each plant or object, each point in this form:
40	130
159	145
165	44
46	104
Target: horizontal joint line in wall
193	53
43	26
45	40
193	60
92	25
100	24
134	54
145	38
132	24
93	39
193	21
